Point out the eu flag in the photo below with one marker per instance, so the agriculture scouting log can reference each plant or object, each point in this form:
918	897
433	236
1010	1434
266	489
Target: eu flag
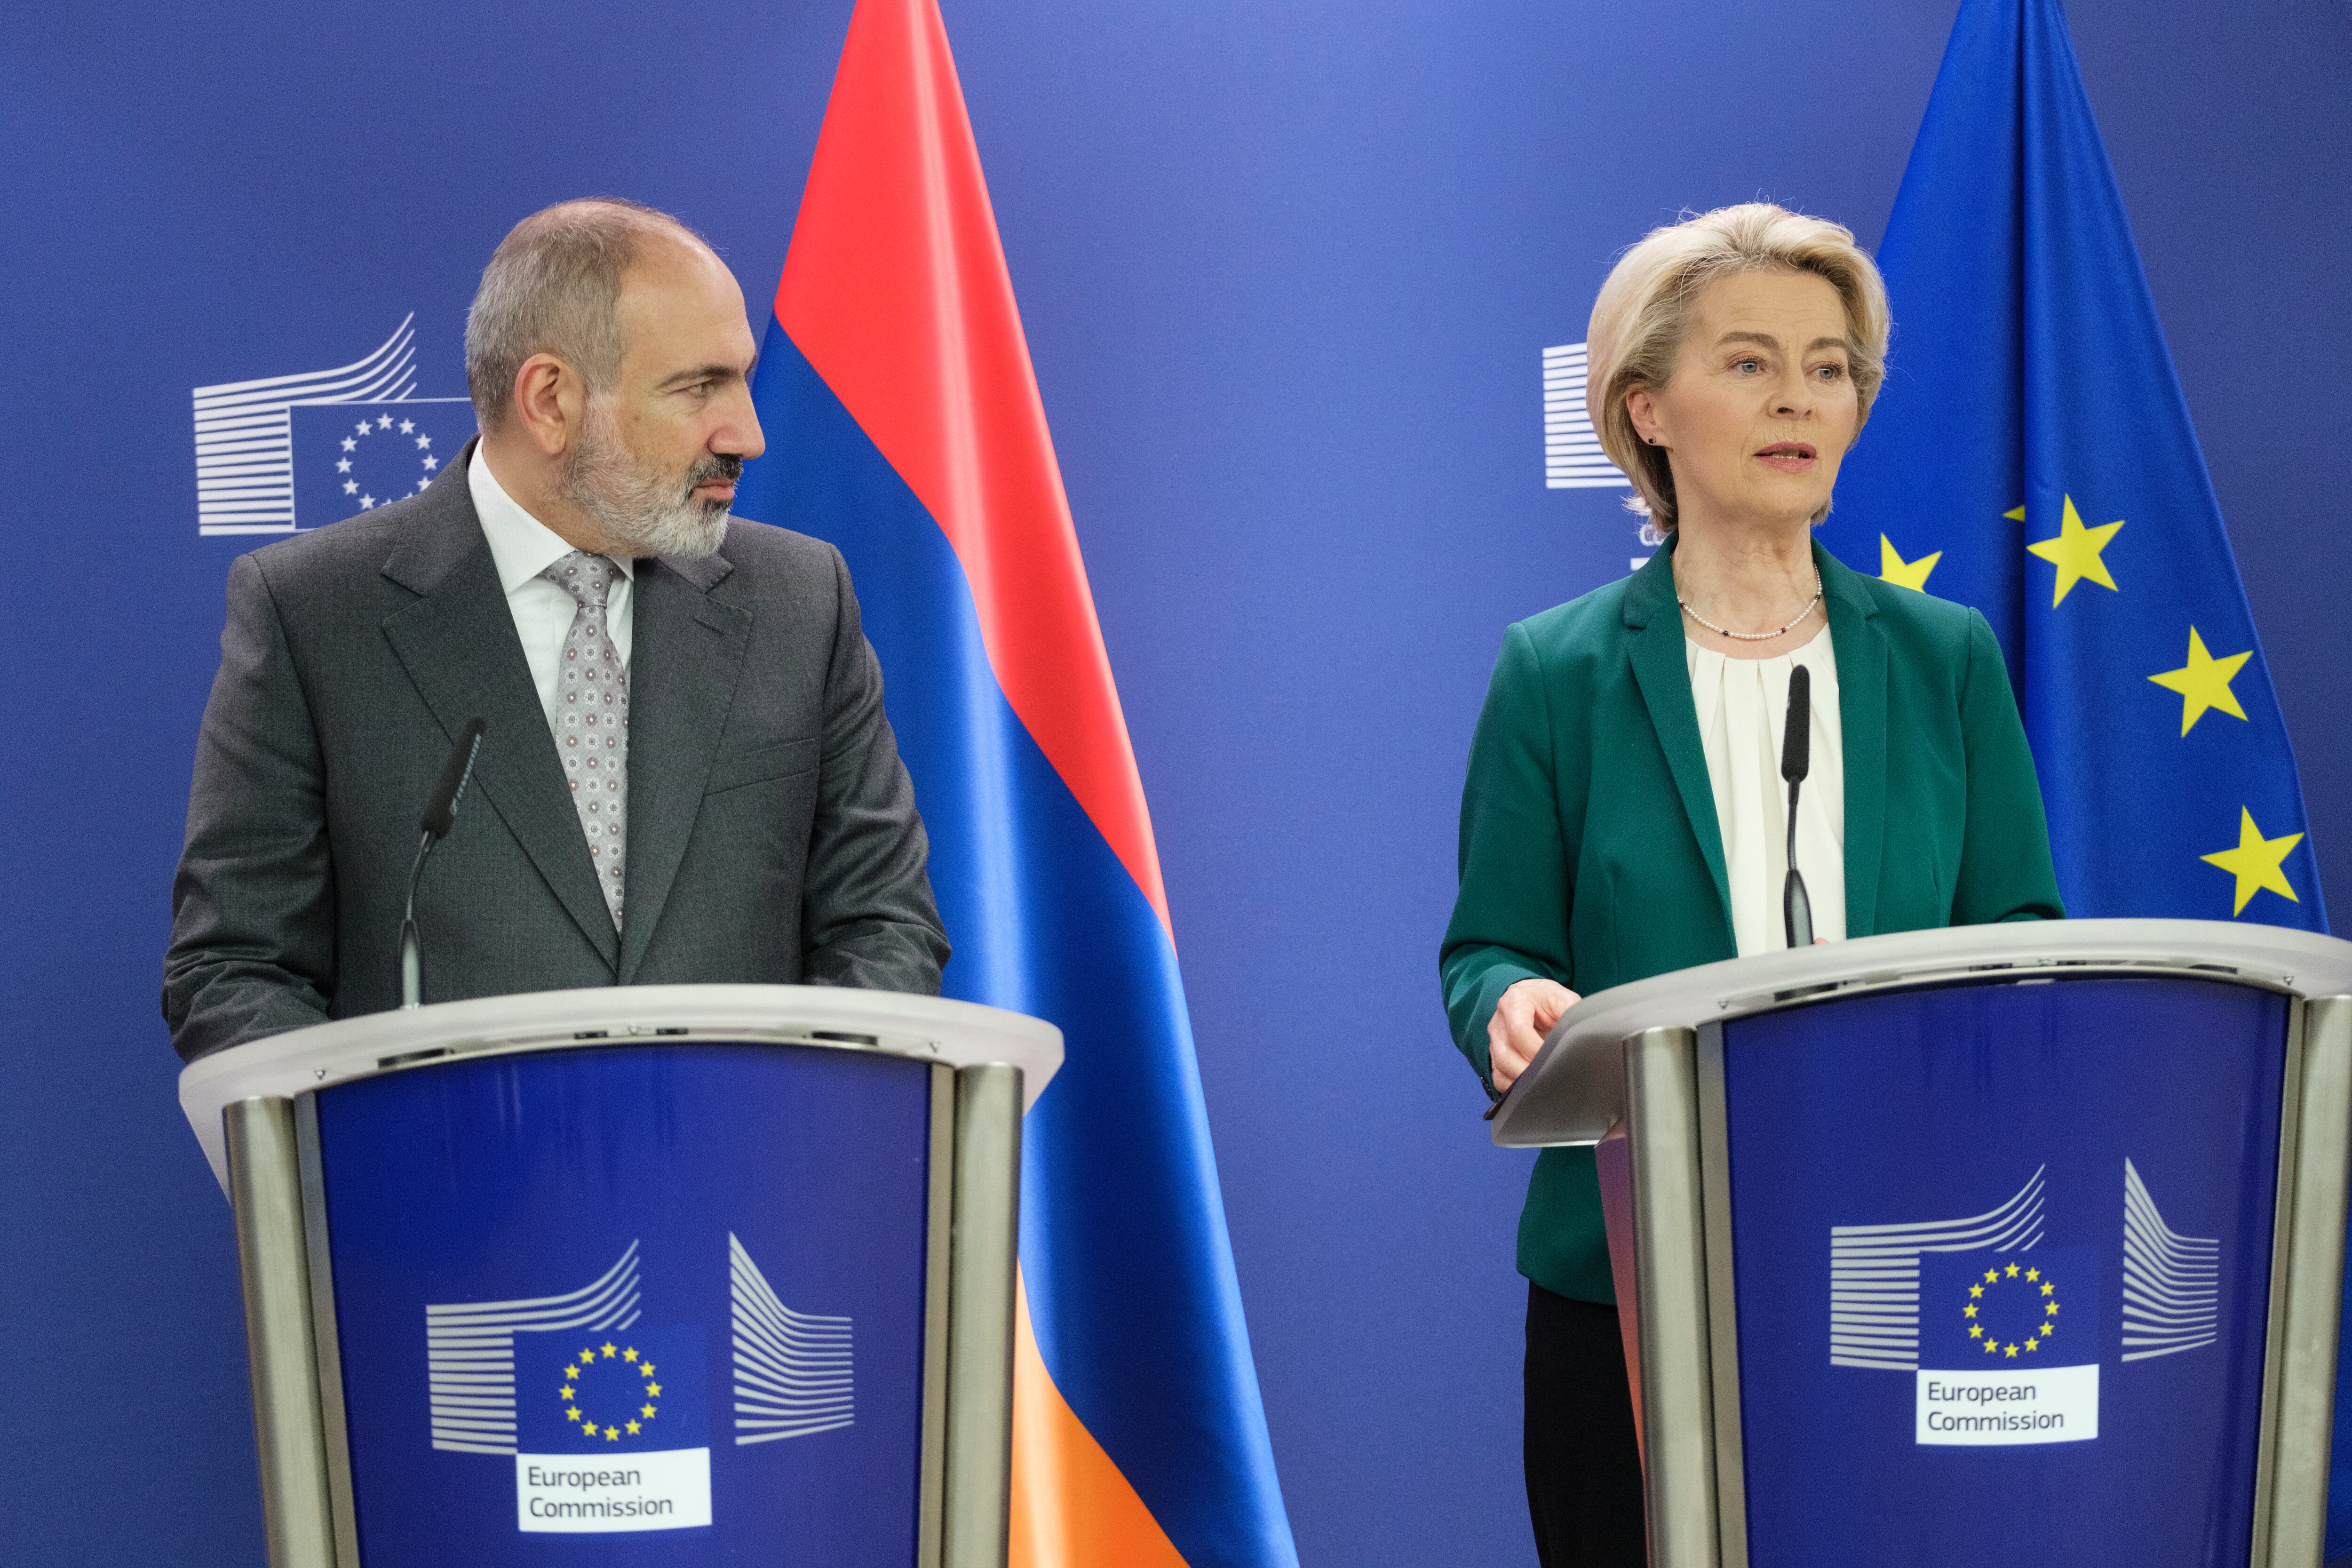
2030	454
610	1391
351	458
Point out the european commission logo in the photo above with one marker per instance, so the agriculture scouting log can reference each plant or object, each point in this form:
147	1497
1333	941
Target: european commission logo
1573	459
292	452
607	1417
1999	1329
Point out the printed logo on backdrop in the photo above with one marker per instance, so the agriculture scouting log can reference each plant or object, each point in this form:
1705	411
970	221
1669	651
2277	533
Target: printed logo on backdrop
1573	459
292	452
606	1415
2001	1330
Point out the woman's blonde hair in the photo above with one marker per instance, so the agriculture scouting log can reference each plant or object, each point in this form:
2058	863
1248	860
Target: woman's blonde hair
1644	312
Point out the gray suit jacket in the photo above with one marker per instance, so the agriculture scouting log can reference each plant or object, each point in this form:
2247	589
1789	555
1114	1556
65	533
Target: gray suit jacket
772	830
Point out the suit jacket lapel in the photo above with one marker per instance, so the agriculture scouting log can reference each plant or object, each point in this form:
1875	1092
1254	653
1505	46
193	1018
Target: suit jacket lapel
687	654
458	645
1862	734
1662	670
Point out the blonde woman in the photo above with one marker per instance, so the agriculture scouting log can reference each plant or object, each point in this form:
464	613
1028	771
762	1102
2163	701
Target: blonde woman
1622	815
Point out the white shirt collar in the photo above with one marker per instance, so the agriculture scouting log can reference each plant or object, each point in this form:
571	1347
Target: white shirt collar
520	545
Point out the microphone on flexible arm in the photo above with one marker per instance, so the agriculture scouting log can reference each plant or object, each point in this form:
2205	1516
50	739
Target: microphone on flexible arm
440	816
1796	755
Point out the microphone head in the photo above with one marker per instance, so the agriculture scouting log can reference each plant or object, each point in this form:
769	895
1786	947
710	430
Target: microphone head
1796	741
441	811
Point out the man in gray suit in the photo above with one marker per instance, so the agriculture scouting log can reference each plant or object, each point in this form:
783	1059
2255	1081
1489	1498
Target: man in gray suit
687	773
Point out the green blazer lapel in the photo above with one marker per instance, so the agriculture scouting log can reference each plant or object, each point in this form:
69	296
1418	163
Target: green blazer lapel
1653	638
1861	724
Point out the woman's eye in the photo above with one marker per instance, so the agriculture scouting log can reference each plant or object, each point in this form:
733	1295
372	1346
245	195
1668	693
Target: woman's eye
1830	371
1747	366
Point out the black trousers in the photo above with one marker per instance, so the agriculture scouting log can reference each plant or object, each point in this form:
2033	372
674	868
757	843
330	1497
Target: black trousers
1584	1471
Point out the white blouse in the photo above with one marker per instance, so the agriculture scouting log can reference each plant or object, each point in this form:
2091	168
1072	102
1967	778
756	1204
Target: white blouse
1743	706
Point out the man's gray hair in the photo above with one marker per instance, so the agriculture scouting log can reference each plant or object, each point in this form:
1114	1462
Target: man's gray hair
554	287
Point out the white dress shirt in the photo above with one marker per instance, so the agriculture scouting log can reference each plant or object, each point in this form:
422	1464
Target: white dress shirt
523	547
1743	705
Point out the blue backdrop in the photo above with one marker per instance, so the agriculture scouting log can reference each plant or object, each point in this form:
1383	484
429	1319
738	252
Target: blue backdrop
1287	271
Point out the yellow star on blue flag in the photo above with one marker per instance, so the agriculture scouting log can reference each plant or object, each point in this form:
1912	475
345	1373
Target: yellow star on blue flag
2255	862
2078	552
2204	682
1905	574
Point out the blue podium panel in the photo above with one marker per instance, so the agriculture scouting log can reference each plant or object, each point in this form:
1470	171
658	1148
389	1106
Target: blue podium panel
2002	1264
647	1305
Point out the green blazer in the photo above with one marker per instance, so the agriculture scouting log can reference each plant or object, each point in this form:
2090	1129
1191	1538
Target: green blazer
1590	853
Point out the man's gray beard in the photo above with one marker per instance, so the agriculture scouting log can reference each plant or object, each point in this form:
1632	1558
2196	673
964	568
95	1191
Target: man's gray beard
653	512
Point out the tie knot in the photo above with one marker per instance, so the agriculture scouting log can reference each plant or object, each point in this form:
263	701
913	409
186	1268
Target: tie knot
587	578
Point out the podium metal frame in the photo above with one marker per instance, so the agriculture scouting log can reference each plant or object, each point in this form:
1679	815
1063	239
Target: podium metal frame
1645	1062
255	1109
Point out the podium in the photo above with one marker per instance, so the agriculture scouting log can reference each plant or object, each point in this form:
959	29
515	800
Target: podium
2015	1243
660	1274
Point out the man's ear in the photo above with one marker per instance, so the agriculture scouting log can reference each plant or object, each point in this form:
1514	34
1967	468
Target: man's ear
548	401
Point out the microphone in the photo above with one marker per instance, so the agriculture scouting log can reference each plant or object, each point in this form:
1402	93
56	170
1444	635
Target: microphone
1796	755
440	816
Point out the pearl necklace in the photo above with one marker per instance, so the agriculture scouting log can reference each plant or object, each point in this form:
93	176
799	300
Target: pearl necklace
1757	636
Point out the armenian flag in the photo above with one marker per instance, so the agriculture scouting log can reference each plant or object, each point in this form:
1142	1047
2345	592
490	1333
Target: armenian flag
904	426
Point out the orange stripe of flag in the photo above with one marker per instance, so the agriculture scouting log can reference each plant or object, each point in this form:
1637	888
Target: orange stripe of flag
1072	1507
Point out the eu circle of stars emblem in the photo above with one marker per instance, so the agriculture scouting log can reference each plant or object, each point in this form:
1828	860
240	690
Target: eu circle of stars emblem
2010	1310
611	1385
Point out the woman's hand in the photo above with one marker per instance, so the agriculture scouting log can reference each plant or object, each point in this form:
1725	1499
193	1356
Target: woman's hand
1522	1018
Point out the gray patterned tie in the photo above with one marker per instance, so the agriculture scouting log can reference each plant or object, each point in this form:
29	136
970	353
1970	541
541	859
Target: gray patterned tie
591	721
